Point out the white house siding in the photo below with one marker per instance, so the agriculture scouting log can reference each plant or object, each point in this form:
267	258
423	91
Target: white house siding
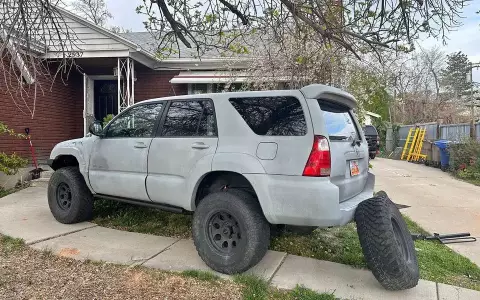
85	40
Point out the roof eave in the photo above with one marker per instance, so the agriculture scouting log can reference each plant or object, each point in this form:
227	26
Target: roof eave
108	33
202	64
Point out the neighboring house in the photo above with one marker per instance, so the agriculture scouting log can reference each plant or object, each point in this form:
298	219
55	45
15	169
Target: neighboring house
115	71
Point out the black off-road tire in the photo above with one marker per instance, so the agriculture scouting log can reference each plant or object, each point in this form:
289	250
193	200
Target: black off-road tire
372	156
387	244
237	207
381	194
70	183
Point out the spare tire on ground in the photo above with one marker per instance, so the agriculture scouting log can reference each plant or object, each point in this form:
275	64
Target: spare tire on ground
386	243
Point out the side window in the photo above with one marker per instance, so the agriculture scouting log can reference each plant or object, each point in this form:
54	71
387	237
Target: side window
272	115
136	122
190	118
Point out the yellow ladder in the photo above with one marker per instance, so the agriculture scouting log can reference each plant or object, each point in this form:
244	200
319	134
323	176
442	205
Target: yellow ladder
414	144
416	155
410	140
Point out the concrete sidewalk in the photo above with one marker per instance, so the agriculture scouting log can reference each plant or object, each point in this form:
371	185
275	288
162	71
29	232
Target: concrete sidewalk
438	202
25	214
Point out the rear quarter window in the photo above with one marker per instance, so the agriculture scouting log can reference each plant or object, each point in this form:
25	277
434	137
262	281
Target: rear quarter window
273	116
338	121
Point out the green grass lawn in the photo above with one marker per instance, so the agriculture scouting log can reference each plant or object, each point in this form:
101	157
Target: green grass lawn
437	262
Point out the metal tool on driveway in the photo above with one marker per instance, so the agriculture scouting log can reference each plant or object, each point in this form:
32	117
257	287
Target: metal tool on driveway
446	238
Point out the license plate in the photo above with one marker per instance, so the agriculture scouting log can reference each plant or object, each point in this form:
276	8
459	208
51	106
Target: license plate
354	168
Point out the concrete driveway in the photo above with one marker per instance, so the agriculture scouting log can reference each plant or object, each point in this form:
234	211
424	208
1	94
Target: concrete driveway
438	202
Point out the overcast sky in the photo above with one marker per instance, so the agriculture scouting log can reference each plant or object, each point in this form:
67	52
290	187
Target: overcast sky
466	38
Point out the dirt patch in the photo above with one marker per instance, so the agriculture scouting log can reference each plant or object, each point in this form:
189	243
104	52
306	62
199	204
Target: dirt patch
29	274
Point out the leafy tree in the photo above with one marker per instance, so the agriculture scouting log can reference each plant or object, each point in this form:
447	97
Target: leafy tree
371	93
454	76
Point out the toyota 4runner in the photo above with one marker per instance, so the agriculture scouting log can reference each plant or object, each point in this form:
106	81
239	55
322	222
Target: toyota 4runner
241	162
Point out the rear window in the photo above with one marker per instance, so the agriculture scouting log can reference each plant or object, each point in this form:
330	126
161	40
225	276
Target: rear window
279	116
370	130
339	121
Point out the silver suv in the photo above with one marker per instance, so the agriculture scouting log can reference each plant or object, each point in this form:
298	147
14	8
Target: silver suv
241	162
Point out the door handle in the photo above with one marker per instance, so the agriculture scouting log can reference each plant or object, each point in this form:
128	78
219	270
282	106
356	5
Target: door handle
200	145
140	145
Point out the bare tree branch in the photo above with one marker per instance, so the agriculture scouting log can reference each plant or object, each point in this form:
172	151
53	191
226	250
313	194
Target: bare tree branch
28	30
358	26
93	10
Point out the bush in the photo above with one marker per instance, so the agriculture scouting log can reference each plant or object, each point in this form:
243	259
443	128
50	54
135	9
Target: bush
9	164
107	119
465	159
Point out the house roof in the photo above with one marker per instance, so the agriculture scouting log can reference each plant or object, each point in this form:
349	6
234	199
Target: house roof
143	47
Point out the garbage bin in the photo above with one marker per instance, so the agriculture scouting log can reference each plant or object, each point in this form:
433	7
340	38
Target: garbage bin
444	154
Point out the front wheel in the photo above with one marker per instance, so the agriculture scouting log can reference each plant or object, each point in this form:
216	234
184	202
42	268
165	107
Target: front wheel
230	232
69	198
386	243
372	155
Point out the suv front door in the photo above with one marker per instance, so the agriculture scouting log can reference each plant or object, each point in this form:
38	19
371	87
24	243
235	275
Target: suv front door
182	151
118	162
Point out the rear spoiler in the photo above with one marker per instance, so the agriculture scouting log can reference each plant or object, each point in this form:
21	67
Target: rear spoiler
325	92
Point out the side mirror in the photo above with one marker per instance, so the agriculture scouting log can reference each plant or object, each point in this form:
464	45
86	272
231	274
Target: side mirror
96	128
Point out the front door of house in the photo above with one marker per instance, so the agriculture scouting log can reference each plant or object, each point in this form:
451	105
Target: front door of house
105	98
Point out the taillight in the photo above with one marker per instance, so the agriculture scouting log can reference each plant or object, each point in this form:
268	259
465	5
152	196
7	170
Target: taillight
319	163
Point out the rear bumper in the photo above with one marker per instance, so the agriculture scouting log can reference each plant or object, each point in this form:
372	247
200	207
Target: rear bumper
305	201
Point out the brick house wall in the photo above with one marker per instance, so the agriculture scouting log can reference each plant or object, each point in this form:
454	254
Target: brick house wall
59	110
154	84
58	115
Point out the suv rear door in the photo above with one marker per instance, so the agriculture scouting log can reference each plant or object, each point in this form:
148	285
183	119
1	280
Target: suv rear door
183	148
348	148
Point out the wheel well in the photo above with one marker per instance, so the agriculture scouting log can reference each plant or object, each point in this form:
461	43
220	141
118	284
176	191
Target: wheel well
221	181
64	161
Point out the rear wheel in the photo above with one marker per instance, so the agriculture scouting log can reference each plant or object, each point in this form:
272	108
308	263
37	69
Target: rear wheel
387	244
69	198
230	232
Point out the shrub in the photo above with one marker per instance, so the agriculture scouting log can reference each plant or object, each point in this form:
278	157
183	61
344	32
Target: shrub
465	159
107	119
9	164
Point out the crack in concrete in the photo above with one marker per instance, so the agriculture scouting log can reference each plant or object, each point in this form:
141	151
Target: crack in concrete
278	267
59	235
157	254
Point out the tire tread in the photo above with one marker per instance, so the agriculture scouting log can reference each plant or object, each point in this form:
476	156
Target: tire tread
375	231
